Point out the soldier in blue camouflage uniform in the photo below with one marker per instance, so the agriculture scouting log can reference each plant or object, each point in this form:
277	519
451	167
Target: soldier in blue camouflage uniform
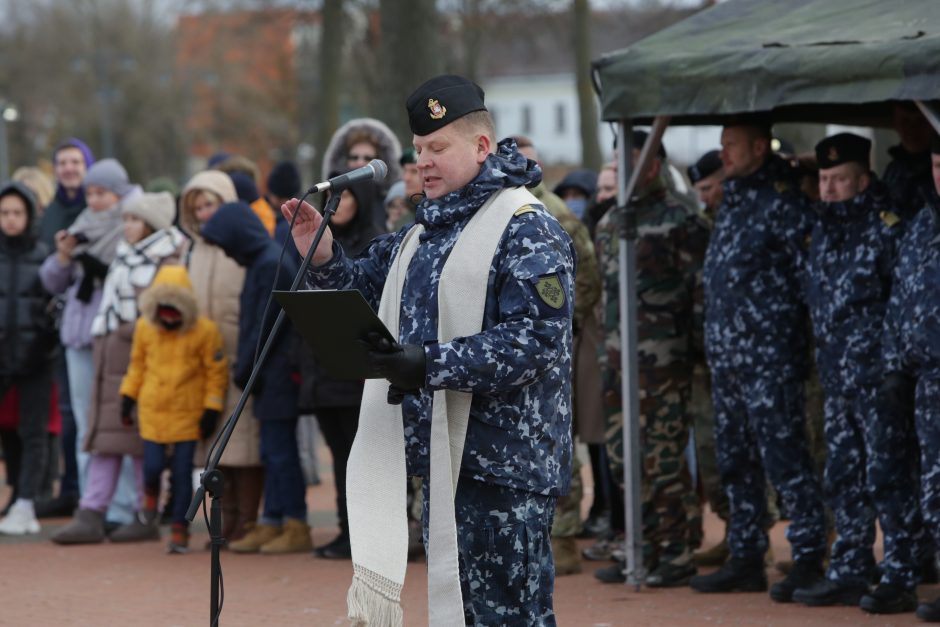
848	281
670	249
907	176
517	454
911	351
755	342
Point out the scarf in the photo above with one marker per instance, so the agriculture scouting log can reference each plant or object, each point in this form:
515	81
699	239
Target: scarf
376	470
102	230
132	270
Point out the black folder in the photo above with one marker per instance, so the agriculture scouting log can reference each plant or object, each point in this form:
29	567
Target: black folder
334	323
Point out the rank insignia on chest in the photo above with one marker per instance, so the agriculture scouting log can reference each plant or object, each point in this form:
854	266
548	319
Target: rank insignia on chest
438	110
523	210
889	217
550	290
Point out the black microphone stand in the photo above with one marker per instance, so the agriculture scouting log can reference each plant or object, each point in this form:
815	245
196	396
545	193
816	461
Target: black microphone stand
212	480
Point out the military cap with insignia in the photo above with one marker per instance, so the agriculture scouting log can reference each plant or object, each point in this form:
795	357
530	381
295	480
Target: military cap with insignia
707	164
843	148
441	100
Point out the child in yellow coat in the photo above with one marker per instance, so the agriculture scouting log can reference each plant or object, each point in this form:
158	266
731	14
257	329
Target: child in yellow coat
177	379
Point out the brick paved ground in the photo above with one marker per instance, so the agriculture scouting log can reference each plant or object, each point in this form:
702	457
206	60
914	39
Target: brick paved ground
113	585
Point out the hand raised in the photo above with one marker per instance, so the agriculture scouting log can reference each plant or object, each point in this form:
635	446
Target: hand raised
305	228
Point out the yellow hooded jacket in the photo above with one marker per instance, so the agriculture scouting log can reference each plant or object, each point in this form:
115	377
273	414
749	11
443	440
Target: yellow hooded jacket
174	375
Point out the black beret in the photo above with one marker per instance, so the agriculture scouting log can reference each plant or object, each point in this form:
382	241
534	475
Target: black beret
408	156
441	100
843	148
935	144
707	164
639	138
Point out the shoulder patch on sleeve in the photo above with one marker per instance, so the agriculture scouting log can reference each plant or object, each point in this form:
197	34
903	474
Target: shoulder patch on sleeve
524	209
551	291
889	217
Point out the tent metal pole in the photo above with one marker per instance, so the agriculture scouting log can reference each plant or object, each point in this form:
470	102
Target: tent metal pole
629	174
931	112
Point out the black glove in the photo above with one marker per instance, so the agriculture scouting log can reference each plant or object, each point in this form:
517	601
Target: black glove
898	392
404	365
207	423
127	407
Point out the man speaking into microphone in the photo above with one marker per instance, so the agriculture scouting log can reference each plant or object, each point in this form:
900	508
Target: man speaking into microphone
475	397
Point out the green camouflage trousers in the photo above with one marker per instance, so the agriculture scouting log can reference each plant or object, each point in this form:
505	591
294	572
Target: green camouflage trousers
568	508
669	503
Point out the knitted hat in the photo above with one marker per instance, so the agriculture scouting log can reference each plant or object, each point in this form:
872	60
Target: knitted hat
109	174
244	187
156	209
395	192
284	180
74	142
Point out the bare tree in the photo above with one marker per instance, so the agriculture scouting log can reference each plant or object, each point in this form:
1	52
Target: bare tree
409	55
331	71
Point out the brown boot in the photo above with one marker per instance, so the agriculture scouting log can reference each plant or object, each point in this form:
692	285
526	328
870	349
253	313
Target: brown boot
567	557
253	541
143	529
86	527
250	488
295	538
714	556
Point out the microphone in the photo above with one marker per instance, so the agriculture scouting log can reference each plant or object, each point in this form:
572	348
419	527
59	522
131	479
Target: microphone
376	170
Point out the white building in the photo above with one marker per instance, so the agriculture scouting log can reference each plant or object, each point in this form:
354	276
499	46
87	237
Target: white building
545	108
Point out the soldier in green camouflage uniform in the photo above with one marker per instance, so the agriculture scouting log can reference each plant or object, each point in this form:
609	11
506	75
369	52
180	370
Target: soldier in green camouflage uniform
587	292
670	251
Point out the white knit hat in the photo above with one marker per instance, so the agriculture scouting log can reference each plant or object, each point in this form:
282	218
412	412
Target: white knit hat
157	210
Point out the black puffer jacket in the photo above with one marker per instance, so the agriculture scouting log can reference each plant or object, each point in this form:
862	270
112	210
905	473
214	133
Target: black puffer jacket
27	329
318	389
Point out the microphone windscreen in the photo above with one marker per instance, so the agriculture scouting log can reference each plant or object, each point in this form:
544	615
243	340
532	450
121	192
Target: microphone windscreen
380	169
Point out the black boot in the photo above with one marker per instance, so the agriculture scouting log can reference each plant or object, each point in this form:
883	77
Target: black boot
928	570
805	574
825	593
929	612
889	598
736	575
337	549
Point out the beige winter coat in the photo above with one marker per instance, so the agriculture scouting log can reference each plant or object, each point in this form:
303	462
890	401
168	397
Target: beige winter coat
217	281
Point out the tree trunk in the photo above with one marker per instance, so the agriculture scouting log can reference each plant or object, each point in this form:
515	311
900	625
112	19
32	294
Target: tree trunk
409	56
328	95
590	147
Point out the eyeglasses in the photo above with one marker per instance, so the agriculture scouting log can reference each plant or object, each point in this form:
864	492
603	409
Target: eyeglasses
360	157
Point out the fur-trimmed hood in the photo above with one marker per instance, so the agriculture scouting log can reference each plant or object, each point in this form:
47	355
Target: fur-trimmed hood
206	181
172	287
389	148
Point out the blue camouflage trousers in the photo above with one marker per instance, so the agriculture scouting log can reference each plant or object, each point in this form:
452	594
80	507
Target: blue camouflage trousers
507	573
927	421
760	428
869	471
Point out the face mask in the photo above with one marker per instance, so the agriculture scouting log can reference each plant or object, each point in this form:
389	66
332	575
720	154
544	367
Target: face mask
577	205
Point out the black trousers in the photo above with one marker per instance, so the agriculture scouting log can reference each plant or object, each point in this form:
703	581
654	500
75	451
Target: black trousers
34	390
338	426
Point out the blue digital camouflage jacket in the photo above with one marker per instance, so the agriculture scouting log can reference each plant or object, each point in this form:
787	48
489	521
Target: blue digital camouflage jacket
519	367
755	320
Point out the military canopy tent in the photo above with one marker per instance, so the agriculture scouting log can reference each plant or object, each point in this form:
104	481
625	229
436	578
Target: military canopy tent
838	61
